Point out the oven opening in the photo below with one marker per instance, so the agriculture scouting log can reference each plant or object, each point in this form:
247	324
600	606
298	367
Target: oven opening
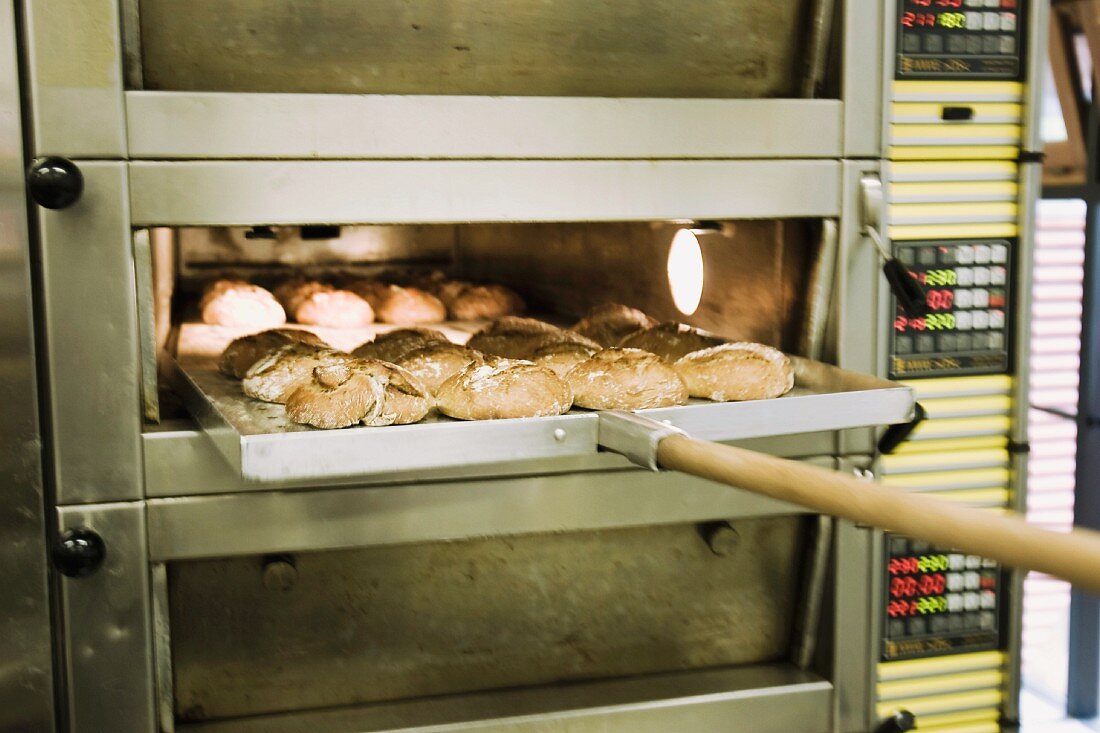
767	281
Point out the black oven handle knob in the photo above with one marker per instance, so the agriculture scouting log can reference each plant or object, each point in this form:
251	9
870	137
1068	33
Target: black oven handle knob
55	182
900	722
79	552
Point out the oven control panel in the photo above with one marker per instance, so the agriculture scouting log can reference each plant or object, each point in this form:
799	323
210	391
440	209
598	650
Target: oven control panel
959	39
938	601
967	327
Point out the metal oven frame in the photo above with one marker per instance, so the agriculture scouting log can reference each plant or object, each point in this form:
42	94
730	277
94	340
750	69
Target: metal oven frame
162	494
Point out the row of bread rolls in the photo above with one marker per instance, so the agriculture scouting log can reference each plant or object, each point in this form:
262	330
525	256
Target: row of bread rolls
515	367
359	303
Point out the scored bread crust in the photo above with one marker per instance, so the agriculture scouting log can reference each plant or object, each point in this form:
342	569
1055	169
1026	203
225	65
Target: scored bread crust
609	324
625	379
435	363
395	344
670	341
521	338
245	351
240	304
477	302
737	371
405	400
336	396
562	356
275	377
503	388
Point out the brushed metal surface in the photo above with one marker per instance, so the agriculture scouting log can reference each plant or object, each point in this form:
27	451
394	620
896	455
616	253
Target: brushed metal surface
108	631
26	657
632	48
391	623
775	698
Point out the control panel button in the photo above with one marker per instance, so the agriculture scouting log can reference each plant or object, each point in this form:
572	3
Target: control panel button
947	341
974	4
997	276
933	43
995	341
990	44
954	582
1008	21
981	320
972	601
972	580
997	298
992	4
955	561
947	256
973	40
965	254
903	344
910	43
956	44
964	298
917	627
907	255
981	275
1008	44
926	343
982	254
964	320
989	599
981	298
987	621
996	319
927	256
965	341
973	562
964	276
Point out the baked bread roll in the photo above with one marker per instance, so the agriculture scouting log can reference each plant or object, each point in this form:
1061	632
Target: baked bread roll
625	379
245	351
397	304
395	344
240	304
318	304
503	388
609	324
561	357
405	398
521	338
736	371
670	340
275	377
435	363
336	396
478	302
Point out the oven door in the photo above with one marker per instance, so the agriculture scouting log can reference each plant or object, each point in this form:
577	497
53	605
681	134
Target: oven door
439	79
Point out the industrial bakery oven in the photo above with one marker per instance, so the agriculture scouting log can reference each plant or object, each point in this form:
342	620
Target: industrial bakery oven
492	575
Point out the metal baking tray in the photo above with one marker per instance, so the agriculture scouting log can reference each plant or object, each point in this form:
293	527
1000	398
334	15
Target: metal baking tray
258	441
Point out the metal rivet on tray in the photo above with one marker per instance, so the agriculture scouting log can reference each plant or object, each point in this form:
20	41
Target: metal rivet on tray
559	434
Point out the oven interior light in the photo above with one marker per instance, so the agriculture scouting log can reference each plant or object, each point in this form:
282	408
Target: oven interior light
685	271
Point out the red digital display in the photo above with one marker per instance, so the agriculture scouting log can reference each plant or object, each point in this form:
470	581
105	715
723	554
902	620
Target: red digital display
940	300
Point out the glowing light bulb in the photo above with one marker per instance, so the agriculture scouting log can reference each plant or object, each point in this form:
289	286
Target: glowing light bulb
685	271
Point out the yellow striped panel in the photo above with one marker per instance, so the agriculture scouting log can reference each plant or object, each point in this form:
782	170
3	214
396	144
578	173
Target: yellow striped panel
946	721
952	231
946	407
938	445
943	170
962	426
919	706
952	213
932	480
954	134
951	91
981	498
983	727
902	193
949	152
932	113
968	459
952	664
940	684
986	384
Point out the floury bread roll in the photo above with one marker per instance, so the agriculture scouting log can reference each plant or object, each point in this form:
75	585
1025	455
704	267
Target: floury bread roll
670	340
275	377
477	302
435	363
625	379
240	304
736	371
242	353
317	304
395	344
561	357
609	324
521	338
503	388
396	304
336	396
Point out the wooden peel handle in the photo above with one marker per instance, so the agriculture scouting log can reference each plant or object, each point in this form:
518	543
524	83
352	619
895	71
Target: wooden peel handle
1074	556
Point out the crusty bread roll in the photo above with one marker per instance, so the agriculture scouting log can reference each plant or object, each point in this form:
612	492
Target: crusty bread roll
336	396
317	304
561	357
275	377
395	344
408	305
240	304
670	340
503	388
625	379
484	301
736	371
445	290
521	338
245	351
435	363
405	400
609	324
